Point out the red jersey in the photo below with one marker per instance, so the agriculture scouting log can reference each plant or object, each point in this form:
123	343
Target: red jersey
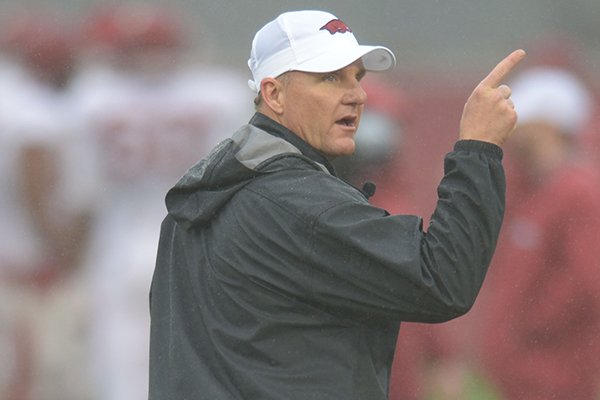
542	306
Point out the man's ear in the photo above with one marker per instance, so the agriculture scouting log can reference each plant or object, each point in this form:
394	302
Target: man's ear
273	94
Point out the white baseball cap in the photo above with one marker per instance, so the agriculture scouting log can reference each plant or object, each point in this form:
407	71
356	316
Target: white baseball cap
552	95
310	41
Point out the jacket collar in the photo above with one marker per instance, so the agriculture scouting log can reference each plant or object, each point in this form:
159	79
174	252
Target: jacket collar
274	128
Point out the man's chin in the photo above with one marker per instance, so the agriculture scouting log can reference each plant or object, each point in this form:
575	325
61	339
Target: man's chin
341	152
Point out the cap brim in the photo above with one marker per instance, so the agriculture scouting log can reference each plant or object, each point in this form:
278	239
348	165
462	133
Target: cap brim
375	58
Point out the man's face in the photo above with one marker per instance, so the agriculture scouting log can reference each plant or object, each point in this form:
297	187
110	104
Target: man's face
530	137
536	144
324	109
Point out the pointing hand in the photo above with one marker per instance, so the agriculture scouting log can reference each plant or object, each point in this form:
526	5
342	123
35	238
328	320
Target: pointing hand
489	114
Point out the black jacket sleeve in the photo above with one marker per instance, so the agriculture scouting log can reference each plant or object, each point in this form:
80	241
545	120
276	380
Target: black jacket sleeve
460	241
369	263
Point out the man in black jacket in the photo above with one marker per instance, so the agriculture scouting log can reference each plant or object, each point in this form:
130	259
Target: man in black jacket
277	280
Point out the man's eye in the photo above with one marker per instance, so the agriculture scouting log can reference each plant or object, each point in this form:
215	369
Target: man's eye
330	77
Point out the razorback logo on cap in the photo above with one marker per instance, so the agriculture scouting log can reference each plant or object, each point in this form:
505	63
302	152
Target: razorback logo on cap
335	26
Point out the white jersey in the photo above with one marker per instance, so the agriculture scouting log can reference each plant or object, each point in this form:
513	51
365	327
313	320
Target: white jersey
20	246
147	134
34	115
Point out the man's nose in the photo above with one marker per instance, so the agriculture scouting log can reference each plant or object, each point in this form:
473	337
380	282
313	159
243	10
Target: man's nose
356	95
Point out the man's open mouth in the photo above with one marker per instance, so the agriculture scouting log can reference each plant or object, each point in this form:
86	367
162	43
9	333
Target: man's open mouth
347	121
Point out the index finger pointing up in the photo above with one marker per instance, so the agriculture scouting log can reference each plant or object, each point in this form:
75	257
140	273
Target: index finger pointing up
504	67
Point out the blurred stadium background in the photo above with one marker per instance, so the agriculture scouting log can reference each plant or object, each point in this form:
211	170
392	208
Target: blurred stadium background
454	35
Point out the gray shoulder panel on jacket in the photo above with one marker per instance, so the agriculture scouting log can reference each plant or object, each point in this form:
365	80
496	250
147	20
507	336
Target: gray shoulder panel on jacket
257	146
